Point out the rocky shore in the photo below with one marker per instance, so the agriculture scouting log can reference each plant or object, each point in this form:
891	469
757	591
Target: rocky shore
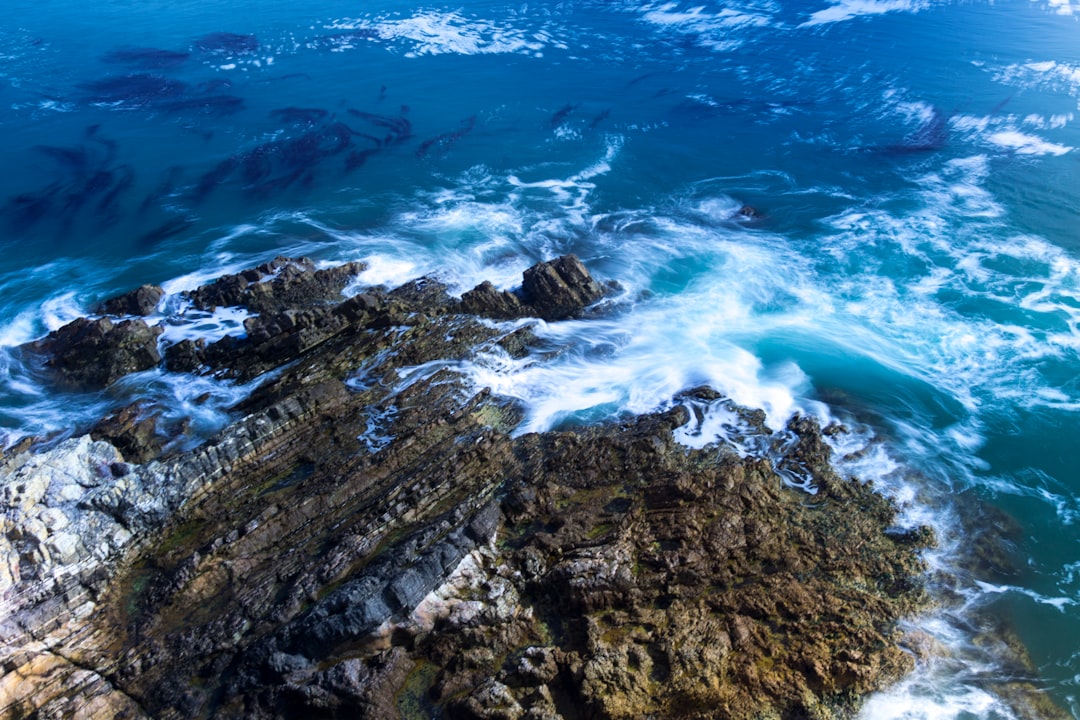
369	537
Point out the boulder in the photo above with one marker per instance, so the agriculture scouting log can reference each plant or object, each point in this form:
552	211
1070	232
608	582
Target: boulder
560	289
555	290
141	301
93	354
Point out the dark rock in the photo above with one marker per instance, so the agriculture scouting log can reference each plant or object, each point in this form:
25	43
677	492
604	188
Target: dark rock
141	301
556	290
91	354
560	289
186	356
486	300
517	343
133	431
283	283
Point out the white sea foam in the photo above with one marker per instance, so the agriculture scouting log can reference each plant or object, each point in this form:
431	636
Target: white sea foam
376	435
387	271
722	30
192	324
479	227
1002	133
930	695
59	310
208	271
430	32
849	9
957	243
1046	74
638	362
1027	144
710	422
20	330
1054	122
1059	603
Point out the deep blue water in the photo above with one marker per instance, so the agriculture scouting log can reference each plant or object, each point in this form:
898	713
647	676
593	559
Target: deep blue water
913	267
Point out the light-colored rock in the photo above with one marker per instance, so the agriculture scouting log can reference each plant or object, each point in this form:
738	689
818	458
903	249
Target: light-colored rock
55	519
48	528
66	548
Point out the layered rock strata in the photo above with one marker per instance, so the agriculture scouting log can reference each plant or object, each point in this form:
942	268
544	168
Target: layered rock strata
370	539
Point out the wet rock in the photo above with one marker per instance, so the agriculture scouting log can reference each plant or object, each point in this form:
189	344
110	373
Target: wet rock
366	537
556	290
560	289
186	356
283	283
131	430
92	354
486	300
141	301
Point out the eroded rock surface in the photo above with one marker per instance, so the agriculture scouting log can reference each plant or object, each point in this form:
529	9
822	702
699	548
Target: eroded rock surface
554	290
281	284
92	354
140	301
369	539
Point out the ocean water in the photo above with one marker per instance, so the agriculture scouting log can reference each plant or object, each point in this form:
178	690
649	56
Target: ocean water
910	266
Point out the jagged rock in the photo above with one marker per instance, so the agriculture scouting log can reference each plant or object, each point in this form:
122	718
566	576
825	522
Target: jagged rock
141	301
280	284
554	290
560	289
186	356
486	300
491	701
49	529
272	340
92	354
132	431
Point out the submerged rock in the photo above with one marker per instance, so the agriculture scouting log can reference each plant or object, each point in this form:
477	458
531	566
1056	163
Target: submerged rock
368	539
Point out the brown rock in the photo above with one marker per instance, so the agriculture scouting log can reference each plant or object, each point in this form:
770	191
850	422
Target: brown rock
133	431
486	300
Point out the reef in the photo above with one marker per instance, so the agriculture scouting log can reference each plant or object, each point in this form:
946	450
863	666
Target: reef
371	537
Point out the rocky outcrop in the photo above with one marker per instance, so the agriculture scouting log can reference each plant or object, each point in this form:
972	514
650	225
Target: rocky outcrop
141	301
628	578
52	526
136	431
93	354
281	284
369	539
554	290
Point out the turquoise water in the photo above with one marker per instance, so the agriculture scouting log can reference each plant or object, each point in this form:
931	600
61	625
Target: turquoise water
912	267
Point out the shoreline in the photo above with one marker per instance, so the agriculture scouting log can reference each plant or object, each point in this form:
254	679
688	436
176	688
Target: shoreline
279	567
